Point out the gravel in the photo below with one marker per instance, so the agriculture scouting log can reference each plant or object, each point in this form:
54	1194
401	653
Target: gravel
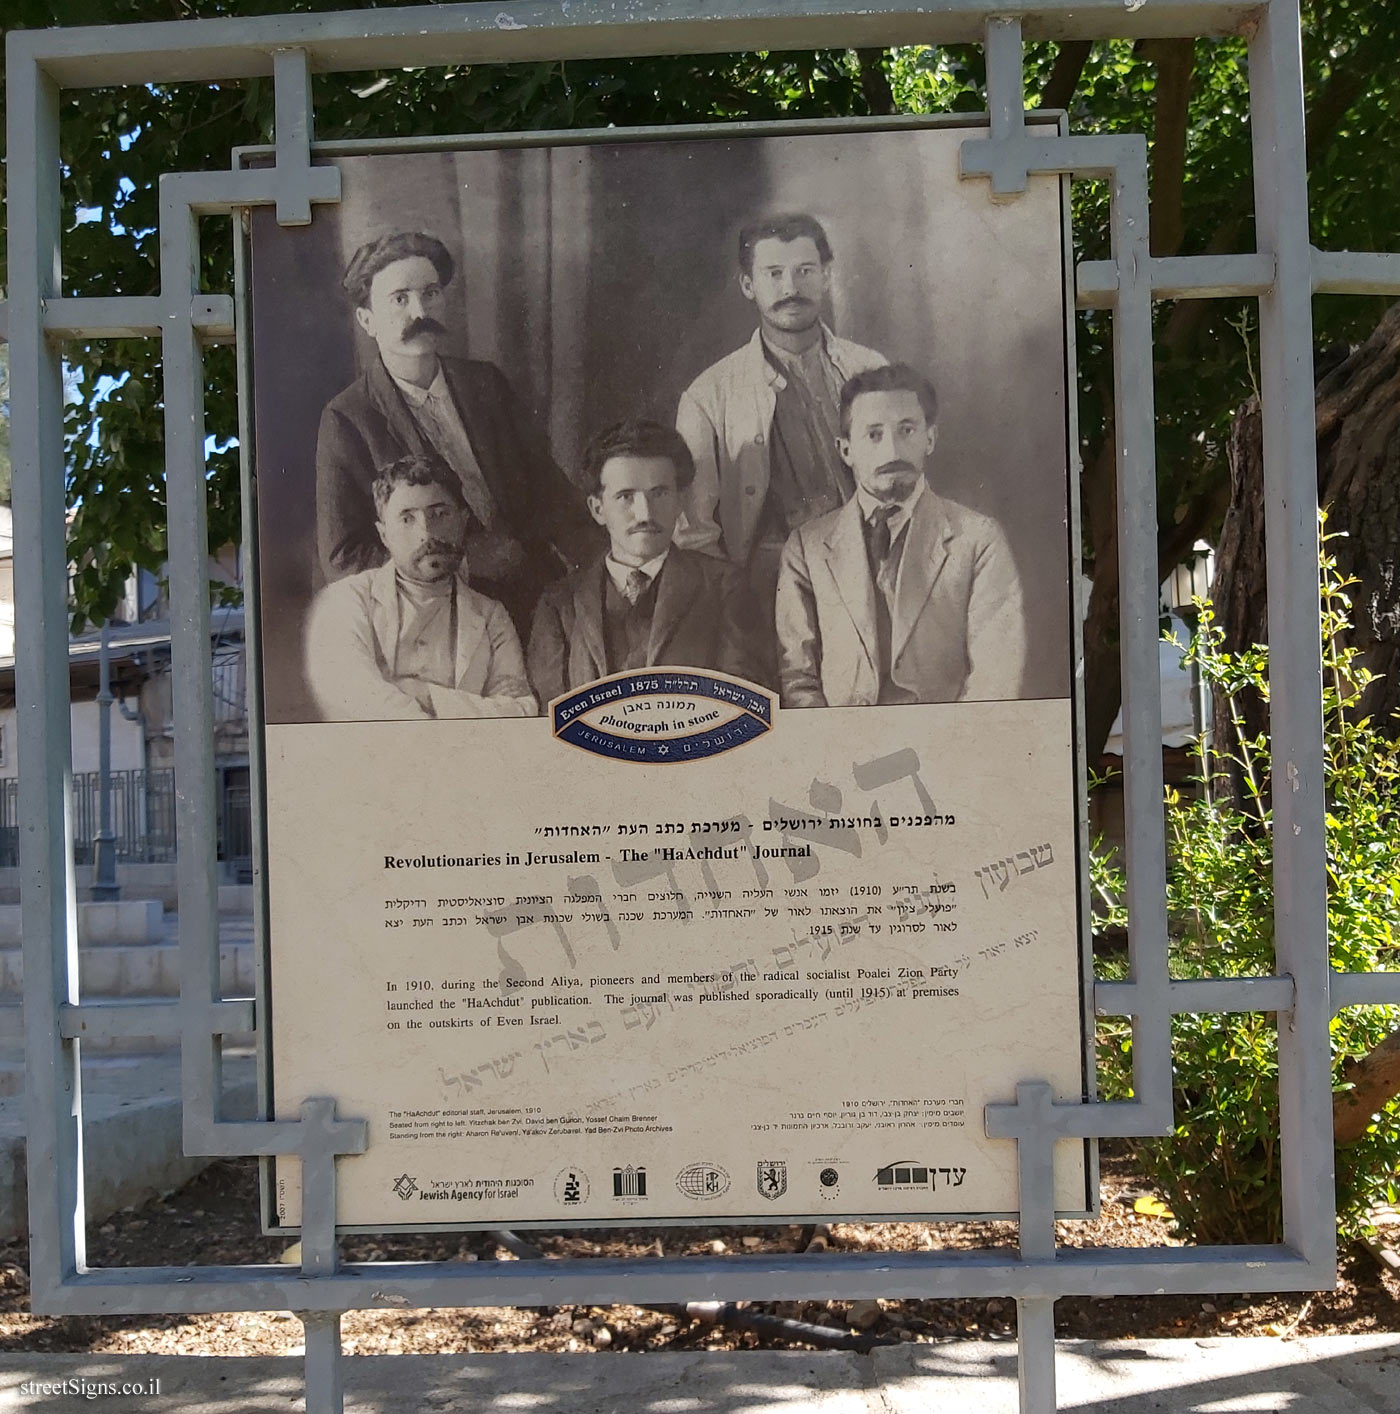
214	1220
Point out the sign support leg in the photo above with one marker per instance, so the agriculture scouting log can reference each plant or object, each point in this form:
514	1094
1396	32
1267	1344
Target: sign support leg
320	1254
1035	1316
325	1374
1035	1354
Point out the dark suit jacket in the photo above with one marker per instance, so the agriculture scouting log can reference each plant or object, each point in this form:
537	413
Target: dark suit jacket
369	425
703	609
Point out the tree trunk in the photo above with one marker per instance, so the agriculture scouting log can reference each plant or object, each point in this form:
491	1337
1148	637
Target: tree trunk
1374	1079
1358	481
1358	451
1358	478
875	82
1103	669
1238	592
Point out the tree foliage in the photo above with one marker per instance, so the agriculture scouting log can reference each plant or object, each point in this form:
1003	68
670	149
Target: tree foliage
117	142
1220	1170
1190	97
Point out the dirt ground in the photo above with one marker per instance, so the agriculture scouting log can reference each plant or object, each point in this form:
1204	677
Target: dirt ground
214	1220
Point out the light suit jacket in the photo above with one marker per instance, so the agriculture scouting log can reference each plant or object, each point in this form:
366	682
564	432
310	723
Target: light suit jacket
701	620
351	636
726	418
957	631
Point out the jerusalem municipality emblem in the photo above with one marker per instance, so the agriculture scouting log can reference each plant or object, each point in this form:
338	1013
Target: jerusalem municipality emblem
772	1178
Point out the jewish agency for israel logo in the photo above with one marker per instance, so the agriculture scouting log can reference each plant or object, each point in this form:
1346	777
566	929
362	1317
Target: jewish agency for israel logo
663	715
405	1186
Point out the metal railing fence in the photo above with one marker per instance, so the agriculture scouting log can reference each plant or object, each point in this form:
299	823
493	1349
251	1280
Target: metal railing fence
143	816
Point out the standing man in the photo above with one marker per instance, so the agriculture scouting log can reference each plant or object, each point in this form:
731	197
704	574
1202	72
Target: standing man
411	639
646	603
901	595
525	523
762	423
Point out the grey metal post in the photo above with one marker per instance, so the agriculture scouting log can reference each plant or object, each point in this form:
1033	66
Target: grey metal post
191	682
294	123
320	1254
323	1363
1035	1357
53	1111
1135	431
1035	1316
1287	395
104	842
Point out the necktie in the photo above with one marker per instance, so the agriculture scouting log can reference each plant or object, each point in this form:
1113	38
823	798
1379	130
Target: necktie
638	583
880	519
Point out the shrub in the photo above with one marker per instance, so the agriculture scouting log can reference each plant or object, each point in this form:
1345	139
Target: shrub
1219	1172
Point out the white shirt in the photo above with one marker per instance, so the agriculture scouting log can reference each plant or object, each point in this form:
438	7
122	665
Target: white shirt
620	572
427	642
903	509
437	416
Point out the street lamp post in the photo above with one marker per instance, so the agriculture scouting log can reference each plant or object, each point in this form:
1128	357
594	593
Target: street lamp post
104	844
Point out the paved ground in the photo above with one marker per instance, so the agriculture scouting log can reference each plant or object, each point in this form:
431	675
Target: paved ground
1321	1375
131	1098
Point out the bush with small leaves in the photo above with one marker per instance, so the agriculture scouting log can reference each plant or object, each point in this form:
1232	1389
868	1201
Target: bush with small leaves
1220	1170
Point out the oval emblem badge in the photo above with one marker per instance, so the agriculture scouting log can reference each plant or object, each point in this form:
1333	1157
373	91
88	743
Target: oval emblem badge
702	1181
663	715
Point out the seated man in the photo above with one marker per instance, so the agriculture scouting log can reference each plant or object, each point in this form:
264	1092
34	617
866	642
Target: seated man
410	639
646	602
901	595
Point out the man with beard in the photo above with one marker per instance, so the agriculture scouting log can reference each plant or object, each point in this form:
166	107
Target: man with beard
525	524
762	423
411	639
646	603
901	595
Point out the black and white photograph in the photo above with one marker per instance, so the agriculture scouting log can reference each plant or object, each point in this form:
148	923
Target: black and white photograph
791	409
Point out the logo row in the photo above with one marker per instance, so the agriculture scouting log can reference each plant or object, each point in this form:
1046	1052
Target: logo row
701	1182
704	1182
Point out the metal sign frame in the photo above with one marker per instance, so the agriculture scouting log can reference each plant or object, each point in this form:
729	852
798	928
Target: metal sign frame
1283	273
252	157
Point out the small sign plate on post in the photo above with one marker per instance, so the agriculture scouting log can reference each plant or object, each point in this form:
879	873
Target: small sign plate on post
665	553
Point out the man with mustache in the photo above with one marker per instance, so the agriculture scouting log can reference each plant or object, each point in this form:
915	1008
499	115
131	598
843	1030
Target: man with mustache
646	603
410	639
901	595
762	423
526	524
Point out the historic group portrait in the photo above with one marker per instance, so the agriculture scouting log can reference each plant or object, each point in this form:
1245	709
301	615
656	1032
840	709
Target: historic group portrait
790	409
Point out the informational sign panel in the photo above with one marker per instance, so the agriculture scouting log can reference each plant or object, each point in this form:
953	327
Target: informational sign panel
665	617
